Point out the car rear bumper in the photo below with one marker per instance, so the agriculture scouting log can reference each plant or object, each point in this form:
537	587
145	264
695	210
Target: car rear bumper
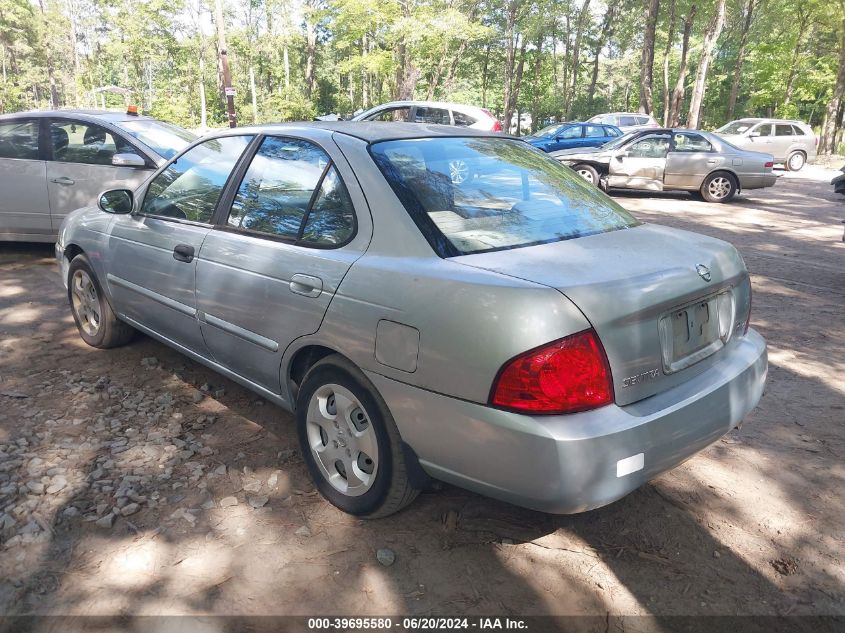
572	463
758	181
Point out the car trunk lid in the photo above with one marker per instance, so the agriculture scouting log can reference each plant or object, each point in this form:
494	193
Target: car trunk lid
663	301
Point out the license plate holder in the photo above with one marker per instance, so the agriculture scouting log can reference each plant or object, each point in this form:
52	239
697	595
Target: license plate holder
690	333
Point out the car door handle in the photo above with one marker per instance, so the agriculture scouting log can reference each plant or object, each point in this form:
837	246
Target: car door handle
306	285
712	161
183	253
62	180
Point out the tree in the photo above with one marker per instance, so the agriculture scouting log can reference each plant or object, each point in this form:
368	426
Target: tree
740	57
827	145
710	38
647	63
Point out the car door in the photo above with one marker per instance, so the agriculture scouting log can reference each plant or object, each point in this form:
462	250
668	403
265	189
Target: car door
24	203
153	252
690	159
782	141
80	166
594	136
566	138
268	271
760	138
640	164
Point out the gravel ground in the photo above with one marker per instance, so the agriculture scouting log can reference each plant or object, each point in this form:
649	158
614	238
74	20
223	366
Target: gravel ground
134	481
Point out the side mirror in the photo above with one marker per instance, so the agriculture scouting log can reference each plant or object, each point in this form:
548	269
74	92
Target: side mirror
117	201
753	134
128	160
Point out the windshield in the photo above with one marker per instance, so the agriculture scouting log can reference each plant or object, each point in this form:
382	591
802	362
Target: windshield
165	139
549	130
619	141
735	127
470	195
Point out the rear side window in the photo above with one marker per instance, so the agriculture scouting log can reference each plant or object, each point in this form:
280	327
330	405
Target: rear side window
642	120
191	186
291	191
432	115
19	139
689	142
86	143
515	197
463	120
627	120
612	132
797	131
783	130
594	131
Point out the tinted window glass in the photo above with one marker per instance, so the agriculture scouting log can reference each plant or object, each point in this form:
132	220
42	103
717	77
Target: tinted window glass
783	130
593	131
570	132
612	132
276	192
392	114
331	220
764	130
191	186
688	142
518	197
19	139
651	146
463	120
165	139
433	115
86	143
797	131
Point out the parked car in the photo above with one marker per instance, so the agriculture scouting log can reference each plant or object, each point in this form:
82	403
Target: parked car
838	182
568	135
524	337
626	121
672	159
56	161
437	112
792	143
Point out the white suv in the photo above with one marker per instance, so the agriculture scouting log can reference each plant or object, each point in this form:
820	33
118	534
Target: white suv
625	121
790	142
433	112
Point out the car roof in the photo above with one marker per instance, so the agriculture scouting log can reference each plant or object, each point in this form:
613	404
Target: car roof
369	131
103	115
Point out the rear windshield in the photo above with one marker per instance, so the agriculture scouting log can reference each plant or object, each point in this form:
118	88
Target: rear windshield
472	195
165	139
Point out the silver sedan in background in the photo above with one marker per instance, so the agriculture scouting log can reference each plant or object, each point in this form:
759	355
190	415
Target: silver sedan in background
517	333
672	159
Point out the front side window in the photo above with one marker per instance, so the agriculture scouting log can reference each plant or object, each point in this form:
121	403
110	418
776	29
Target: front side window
392	114
190	187
19	139
735	127
651	146
518	197
689	142
86	143
764	129
164	139
277	195
783	130
432	115
570	132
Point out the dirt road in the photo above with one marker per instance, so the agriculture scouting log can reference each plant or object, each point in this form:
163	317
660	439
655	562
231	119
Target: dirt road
134	481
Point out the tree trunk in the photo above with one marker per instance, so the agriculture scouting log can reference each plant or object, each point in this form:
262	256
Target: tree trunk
226	79
510	59
647	59
678	92
740	58
576	54
606	34
803	19
310	47
670	40
51	75
484	76
710	37
538	65
203	108
828	140
252	92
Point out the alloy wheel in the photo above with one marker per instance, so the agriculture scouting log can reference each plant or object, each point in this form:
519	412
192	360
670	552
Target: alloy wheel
587	175
86	303
342	440
720	187
796	161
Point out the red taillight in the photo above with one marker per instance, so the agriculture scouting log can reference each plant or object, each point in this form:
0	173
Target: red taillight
769	164
497	126
566	376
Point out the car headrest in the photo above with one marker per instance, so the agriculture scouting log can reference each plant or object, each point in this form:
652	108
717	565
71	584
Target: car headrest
60	138
94	135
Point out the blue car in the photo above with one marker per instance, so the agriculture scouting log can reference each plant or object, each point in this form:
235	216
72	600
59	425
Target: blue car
568	135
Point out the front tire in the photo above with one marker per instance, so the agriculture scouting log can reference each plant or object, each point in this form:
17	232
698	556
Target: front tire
97	324
350	442
719	187
588	173
795	161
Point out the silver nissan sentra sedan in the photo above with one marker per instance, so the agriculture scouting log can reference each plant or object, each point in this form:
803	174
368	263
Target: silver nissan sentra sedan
517	333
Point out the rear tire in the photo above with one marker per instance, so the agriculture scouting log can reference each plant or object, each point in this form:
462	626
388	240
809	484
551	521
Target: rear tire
795	161
350	442
719	187
97	324
588	173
